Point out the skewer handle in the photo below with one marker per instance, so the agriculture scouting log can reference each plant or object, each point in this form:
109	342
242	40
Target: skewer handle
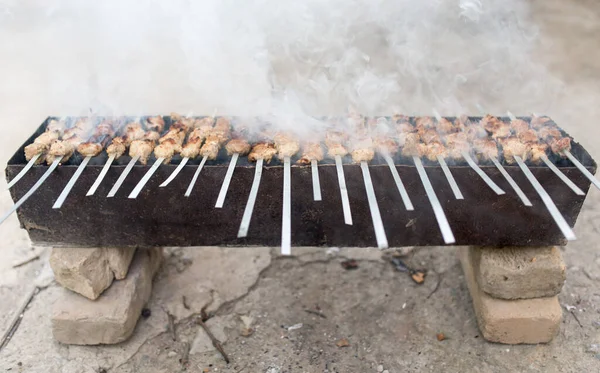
382	241
65	193
123	176
450	178
32	190
512	183
343	190
176	172
482	174
243	231
399	184
140	185
558	218
188	192
435	203
582	168
101	176
315	180
562	176
24	171
227	181
286	220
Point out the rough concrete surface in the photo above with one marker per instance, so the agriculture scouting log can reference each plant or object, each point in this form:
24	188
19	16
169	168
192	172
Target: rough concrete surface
386	318
511	321
112	317
519	273
89	271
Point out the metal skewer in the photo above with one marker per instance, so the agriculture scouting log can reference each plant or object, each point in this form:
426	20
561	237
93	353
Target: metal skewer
32	190
482	174
24	170
450	178
174	174
65	193
316	183
227	181
101	176
123	176
286	220
435	203
382	241
562	176
245	224
512	183
405	198
558	218
343	190
140	185
193	182
582	168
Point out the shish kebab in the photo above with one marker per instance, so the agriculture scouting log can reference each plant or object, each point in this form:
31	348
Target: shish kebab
168	146
102	134
141	149
286	147
334	140
460	142
516	151
562	145
35	152
415	148
363	151
312	153
235	147
117	147
215	138
54	132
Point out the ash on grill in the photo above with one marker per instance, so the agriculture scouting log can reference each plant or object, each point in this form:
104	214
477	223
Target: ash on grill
524	141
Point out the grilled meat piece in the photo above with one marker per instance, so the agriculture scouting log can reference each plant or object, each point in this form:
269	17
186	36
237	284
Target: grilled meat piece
335	143
456	144
405	127
549	132
497	128
156	123
386	145
210	149
445	126
240	146
536	152
262	150
432	150
133	131
41	144
518	126
312	151
512	146
89	149
429	136
425	122
475	132
485	149
141	148
151	136
286	145
117	147
528	136
412	146
60	149
558	146
175	134
539	122
362	155
194	142
167	149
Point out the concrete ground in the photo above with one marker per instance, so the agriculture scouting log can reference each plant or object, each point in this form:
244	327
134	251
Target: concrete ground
386	318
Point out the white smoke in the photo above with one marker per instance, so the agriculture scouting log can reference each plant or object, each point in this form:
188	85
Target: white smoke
289	60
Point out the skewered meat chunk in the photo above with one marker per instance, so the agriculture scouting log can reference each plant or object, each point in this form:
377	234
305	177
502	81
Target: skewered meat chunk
519	125
210	149
485	149
262	150
411	145
184	123
539	122
476	131
558	146
537	150
141	148
432	150
443	125
286	145
151	136
362	155
549	132
167	149
41	144
192	147
117	147
405	127
334	141
206	122
221	131
175	134
426	122
240	146
312	151
133	131
62	149
456	144
497	128
528	136
386	145
512	146
89	149
429	136
156	123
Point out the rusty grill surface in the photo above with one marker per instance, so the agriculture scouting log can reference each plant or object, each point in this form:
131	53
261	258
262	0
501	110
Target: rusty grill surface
164	217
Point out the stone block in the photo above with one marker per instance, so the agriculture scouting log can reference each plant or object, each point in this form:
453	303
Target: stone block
519	272
89	271
529	321
112	317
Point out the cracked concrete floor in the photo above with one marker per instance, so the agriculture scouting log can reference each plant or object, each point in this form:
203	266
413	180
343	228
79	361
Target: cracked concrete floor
386	318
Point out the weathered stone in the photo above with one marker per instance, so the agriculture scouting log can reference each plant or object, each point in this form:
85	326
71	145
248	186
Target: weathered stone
89	271
528	321
519	273
112	317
